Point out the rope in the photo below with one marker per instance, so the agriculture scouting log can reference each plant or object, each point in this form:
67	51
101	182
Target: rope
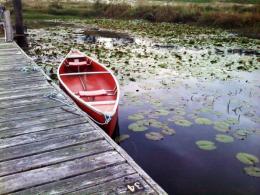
30	68
53	95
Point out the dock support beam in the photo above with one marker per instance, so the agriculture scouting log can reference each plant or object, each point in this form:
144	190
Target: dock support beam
19	27
8	27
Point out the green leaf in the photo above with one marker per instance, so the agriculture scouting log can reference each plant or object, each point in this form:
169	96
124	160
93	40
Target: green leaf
137	126
183	122
155	136
206	145
224	138
161	112
221	126
246	158
203	121
242	134
252	171
122	138
168	131
137	116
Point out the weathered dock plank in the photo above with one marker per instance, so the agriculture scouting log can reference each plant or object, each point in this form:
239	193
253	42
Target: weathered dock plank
49	146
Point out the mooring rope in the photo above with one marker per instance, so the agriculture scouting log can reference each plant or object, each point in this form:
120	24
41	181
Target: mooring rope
53	95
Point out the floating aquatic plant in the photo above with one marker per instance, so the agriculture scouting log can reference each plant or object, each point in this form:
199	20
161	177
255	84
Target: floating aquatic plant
232	121
154	136
221	126
224	138
242	133
137	116
246	158
179	112
183	122
137	126
161	112
155	123
168	131
206	145
203	121
122	138
252	171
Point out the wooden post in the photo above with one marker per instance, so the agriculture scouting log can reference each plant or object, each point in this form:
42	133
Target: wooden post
19	27
8	27
18	17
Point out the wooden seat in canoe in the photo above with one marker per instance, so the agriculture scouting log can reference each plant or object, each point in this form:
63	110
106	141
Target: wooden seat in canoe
92	93
102	103
77	63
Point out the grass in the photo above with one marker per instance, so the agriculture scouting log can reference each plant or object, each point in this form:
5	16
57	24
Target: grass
210	1
238	17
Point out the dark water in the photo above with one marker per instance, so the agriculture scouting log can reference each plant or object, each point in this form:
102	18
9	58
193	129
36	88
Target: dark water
175	162
183	90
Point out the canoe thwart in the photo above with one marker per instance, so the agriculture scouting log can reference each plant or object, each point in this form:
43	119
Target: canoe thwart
84	73
92	93
102	102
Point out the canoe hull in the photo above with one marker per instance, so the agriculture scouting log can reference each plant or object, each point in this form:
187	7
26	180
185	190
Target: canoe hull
70	87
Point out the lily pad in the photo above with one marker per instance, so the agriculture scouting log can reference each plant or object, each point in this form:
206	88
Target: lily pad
154	136
203	121
161	112
232	121
136	116
179	111
221	126
206	110
206	145
168	131
246	158
183	122
242	134
252	171
137	126
122	138
224	138
155	123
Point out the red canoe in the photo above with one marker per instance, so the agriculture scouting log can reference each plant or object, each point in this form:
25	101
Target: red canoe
92	86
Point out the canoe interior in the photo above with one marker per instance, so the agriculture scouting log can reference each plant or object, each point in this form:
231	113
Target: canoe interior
90	82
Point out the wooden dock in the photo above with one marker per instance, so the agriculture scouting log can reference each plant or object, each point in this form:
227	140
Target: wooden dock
48	146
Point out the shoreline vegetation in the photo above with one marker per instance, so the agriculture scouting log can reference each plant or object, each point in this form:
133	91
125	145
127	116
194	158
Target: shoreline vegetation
236	17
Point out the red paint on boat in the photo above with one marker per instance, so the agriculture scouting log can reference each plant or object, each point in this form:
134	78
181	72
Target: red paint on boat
92	86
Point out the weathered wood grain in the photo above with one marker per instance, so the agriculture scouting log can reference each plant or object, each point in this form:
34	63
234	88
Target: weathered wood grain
53	157
82	181
117	186
24	150
42	127
12	125
35	113
37	136
57	172
29	106
20	94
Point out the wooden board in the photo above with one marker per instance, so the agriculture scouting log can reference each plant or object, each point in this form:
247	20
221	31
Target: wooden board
49	146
